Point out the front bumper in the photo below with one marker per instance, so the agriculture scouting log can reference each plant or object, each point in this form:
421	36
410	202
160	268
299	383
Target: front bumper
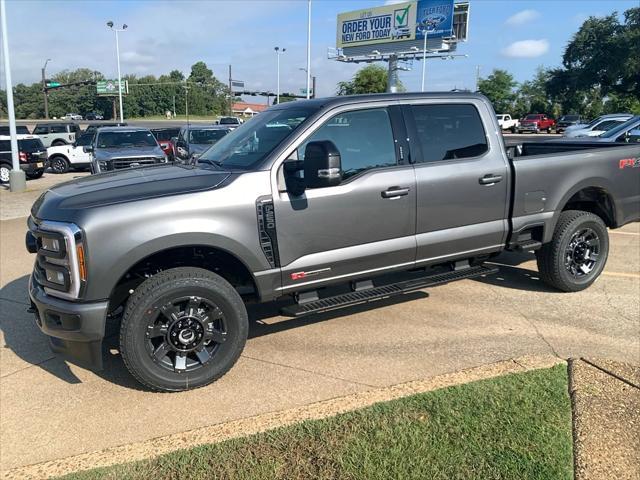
529	128
75	330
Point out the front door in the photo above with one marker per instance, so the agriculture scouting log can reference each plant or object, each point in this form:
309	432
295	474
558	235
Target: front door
363	226
462	181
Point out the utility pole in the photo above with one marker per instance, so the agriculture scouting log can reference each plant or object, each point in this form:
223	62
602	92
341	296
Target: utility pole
392	76
308	49
278	53
44	90
230	92
313	87
17	178
477	76
424	55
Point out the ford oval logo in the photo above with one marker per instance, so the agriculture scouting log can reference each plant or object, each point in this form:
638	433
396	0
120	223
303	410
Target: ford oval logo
433	20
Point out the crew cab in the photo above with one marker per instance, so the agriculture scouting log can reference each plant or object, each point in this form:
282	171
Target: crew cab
115	148
506	122
31	154
314	202
536	123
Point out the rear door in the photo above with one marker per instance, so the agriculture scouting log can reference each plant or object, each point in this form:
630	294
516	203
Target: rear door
462	180
43	131
366	224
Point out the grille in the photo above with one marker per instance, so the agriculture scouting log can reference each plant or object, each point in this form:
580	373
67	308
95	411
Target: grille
120	163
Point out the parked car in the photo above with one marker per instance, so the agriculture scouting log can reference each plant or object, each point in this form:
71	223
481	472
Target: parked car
507	123
72	116
165	138
195	139
627	132
115	148
62	158
309	197
536	123
596	120
20	130
598	127
31	153
57	133
93	116
566	121
231	122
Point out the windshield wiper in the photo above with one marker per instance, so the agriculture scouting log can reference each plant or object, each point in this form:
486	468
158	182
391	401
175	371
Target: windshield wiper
211	162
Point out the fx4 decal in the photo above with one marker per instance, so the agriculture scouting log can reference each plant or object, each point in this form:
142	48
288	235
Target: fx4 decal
629	163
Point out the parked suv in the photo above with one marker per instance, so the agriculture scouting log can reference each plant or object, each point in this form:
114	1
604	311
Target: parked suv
93	116
20	130
57	133
597	127
232	122
31	153
313	203
115	148
62	158
536	123
566	121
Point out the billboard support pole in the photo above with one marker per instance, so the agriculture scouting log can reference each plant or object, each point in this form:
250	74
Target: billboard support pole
424	57
392	77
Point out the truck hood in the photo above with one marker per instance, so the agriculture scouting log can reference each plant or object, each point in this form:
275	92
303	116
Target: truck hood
128	152
125	186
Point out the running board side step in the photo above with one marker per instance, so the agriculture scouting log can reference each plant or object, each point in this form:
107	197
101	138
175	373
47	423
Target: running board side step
385	291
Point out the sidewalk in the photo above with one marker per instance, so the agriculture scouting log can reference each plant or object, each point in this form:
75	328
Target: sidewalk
606	408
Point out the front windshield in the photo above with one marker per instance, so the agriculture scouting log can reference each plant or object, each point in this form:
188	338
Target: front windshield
206	137
250	143
621	128
533	117
139	138
569	118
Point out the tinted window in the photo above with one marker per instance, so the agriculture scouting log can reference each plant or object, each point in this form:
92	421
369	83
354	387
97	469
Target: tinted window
126	139
165	134
608	125
85	139
41	130
58	129
20	130
229	121
210	137
30	145
533	117
251	142
446	132
5	146
364	139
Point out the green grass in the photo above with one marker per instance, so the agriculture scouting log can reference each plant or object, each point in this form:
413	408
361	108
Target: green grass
177	117
512	427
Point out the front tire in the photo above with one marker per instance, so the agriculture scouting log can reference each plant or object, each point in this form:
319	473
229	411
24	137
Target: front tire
59	164
5	173
577	253
182	329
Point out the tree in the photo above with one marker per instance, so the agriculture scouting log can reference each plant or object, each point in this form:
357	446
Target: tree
370	79
499	89
283	99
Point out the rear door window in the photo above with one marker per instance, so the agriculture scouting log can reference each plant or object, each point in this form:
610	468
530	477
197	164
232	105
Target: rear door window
448	132
5	146
58	129
41	130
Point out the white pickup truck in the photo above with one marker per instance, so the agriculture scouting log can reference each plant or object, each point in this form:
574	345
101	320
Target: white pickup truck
65	157
507	123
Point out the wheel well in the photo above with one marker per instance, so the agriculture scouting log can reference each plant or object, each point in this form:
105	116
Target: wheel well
218	261
59	155
595	200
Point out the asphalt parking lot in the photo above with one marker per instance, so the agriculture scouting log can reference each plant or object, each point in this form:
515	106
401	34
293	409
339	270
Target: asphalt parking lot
51	409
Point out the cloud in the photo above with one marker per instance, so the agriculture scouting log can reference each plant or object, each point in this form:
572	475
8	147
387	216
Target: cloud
526	49
393	2
520	18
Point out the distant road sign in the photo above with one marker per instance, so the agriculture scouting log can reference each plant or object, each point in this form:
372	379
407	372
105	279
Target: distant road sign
303	91
52	84
110	87
237	84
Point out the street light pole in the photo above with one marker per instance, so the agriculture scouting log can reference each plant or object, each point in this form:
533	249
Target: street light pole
44	89
17	179
308	49
278	53
117	30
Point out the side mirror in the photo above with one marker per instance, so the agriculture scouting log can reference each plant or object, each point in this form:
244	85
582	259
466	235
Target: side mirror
322	165
87	149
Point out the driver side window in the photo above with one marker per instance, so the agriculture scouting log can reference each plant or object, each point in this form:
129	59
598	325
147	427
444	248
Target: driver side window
364	139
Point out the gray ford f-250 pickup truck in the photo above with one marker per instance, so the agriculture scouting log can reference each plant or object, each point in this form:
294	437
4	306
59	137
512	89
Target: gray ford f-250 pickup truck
322	193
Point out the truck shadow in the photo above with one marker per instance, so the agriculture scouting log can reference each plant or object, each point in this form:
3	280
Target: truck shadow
29	345
512	275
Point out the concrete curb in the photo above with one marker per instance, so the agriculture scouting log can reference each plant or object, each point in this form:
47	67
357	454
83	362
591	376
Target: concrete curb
248	426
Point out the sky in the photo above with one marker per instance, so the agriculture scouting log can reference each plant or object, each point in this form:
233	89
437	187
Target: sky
516	35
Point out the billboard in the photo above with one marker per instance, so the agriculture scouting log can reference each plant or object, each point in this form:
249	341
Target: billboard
399	22
389	23
434	16
110	87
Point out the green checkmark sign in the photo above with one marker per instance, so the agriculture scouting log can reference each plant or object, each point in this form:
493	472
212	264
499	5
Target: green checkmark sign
400	19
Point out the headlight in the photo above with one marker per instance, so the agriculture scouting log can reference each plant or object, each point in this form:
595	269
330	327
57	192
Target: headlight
102	165
164	159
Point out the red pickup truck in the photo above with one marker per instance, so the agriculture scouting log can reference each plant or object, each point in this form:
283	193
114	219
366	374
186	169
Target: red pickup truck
536	123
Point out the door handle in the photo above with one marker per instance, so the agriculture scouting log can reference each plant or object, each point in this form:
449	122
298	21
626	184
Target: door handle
490	179
394	192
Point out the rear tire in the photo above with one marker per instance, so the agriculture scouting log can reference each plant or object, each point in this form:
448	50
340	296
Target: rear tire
182	329
35	175
57	143
577	253
59	164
